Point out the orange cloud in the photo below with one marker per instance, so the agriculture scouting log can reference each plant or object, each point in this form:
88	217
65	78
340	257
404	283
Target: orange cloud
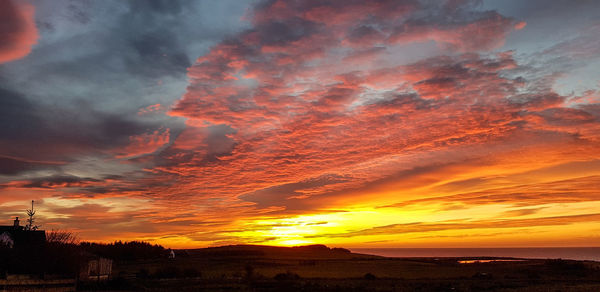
294	131
150	109
520	25
307	126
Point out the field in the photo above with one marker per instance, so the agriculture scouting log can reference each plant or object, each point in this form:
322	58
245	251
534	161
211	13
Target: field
318	268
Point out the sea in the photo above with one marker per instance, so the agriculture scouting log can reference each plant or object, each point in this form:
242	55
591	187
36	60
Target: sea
571	253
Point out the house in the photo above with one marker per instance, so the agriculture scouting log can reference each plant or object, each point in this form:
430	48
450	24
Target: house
31	244
16	236
21	251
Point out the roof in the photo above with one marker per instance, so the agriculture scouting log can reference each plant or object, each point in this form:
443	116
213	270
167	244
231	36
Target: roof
10	228
23	237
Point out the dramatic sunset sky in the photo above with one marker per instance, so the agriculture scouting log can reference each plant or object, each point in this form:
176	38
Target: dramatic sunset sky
381	123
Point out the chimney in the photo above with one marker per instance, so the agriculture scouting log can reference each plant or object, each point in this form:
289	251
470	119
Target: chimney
16	225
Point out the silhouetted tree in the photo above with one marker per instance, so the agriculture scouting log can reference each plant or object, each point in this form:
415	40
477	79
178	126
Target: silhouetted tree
61	237
30	221
132	250
63	253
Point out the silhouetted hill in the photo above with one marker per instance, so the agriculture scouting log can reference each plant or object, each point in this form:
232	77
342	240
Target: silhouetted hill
317	251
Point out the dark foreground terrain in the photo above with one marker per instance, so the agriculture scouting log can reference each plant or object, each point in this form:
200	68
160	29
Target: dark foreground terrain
318	268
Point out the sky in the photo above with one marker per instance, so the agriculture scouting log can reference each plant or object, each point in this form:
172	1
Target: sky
384	123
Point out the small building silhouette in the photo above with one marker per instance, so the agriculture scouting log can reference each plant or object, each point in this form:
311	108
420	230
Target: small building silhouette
16	236
95	268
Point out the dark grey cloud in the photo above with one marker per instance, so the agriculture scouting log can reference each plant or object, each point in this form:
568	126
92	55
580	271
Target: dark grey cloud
12	166
158	55
97	63
18	116
58	180
38	132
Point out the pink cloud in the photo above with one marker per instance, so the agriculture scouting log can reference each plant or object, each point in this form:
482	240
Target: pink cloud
486	33
18	32
145	143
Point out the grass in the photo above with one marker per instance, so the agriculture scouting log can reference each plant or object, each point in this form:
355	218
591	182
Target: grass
251	268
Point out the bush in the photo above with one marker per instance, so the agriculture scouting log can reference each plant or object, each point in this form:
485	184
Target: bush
142	274
287	276
567	268
168	272
191	273
369	276
249	272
